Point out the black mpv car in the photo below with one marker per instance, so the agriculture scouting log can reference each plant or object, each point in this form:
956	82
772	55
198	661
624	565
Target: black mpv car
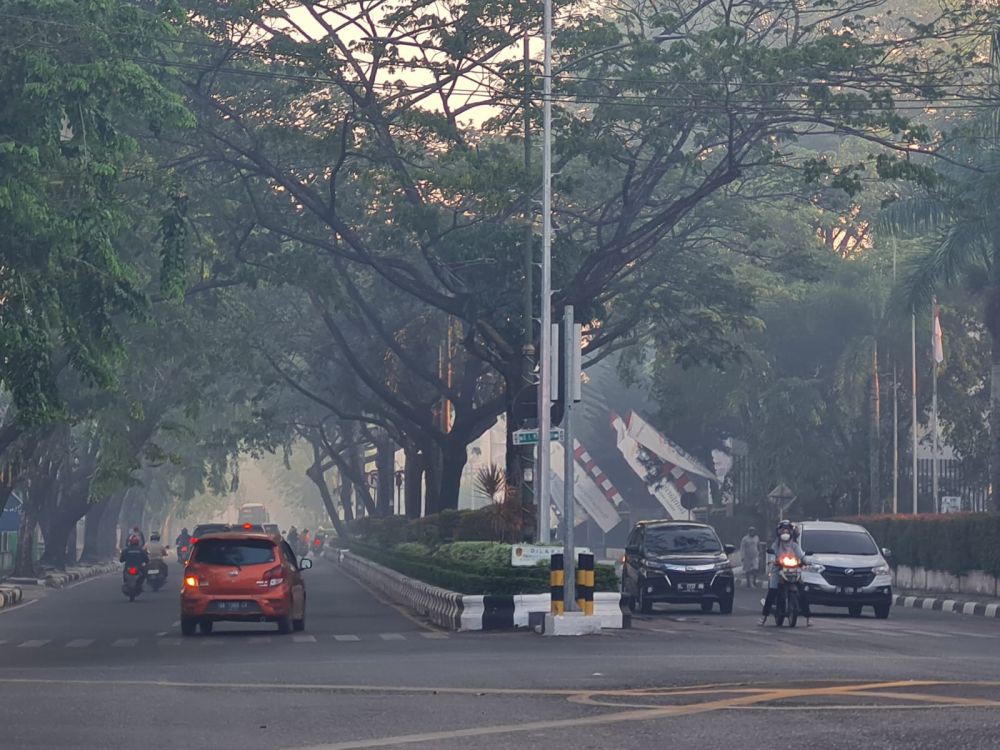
679	562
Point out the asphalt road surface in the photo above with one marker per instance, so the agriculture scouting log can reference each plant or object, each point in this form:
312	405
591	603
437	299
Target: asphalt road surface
83	669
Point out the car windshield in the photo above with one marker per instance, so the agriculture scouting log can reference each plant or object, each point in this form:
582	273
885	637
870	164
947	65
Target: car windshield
673	540
822	542
234	552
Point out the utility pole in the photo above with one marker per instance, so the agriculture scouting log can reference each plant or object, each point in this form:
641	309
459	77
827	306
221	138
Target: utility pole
569	467
895	410
526	456
913	401
543	478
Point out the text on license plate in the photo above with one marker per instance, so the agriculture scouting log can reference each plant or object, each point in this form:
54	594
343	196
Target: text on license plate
233	606
690	586
845	590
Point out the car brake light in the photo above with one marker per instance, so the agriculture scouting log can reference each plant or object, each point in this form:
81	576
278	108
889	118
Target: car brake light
194	540
317	542
192	582
133	571
271	578
248	526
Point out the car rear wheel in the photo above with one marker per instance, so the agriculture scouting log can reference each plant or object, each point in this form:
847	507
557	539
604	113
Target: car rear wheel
854	610
706	606
284	625
206	626
189	626
882	610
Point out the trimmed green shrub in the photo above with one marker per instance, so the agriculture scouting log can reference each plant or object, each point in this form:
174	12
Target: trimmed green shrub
953	542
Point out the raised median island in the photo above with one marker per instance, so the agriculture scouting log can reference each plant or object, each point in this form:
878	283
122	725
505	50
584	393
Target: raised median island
459	584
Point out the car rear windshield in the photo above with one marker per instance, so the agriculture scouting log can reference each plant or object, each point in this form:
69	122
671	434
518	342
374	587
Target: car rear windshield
674	540
234	552
821	542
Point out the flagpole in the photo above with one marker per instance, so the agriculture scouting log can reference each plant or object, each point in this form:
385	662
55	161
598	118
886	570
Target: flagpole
913	402
895	410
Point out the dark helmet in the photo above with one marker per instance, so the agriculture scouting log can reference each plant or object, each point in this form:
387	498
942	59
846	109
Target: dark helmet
154	536
133	540
184	530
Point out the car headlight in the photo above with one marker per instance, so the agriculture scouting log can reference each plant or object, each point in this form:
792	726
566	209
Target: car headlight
724	565
881	570
814	568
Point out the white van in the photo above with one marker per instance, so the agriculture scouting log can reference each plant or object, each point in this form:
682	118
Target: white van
845	568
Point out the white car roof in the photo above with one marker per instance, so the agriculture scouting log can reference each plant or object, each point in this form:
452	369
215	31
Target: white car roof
831	526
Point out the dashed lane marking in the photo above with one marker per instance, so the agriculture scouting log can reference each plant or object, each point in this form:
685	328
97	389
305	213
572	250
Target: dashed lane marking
392	636
80	643
259	640
125	642
434	636
304	638
343	638
32	644
169	641
161	634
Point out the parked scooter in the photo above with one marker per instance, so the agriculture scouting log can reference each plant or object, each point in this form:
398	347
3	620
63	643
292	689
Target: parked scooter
132	578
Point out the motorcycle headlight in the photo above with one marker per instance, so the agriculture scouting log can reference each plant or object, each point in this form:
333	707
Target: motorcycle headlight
881	570
815	568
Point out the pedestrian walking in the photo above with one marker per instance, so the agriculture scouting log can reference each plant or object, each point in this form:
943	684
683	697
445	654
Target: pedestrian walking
750	552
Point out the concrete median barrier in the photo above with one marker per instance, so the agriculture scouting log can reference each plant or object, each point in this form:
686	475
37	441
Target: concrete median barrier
10	595
57	579
455	611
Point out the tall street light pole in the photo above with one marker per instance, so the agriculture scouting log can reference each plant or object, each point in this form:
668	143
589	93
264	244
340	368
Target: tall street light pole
543	478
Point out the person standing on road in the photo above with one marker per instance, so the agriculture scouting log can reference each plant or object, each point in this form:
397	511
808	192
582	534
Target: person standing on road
304	542
750	553
784	544
293	539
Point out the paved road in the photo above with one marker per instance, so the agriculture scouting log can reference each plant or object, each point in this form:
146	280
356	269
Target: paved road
83	668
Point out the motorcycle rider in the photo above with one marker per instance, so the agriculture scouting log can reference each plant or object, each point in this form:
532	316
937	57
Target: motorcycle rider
183	544
304	541
785	543
157	552
293	539
134	555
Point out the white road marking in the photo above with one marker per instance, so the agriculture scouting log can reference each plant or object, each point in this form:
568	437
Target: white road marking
169	641
33	644
346	638
392	636
434	636
177	624
18	607
928	633
161	634
125	642
304	638
260	640
80	643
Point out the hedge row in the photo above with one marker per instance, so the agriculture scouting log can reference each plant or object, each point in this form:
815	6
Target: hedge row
953	542
440	528
468	570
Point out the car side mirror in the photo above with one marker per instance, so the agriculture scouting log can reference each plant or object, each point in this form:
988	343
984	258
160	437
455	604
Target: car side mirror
305	563
729	548
886	553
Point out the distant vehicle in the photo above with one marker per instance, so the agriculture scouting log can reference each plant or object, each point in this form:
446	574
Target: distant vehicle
243	576
253	513
845	568
208	528
272	528
679	562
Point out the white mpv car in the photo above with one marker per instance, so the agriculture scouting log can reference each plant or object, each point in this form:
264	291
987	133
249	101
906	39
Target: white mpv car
845	568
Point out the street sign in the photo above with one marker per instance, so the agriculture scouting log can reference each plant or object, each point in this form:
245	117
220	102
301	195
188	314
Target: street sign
530	437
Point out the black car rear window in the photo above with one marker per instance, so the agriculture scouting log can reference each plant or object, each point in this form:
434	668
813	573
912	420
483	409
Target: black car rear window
817	542
234	551
675	540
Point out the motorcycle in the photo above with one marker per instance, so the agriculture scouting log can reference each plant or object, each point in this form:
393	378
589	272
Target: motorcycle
787	604
132	578
156	574
183	553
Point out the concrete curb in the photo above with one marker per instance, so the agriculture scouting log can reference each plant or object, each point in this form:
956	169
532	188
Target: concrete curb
456	611
940	604
10	595
57	579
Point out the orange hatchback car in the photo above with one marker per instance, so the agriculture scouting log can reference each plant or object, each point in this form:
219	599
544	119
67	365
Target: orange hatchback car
246	577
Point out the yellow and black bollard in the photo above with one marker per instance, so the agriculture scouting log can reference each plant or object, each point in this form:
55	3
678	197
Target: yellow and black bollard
585	583
557	584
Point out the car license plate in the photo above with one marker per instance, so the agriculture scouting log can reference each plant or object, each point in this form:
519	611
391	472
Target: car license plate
238	606
845	590
690	586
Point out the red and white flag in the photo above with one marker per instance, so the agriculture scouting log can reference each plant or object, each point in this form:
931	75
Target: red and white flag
937	338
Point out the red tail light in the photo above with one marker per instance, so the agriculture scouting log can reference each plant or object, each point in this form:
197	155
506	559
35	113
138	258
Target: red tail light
194	540
184	549
133	571
273	577
317	542
248	526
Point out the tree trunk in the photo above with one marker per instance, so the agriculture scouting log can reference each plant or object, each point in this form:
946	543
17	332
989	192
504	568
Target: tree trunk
69	551
92	534
875	420
432	470
24	565
413	481
995	427
318	477
385	463
453	460
347	498
107	545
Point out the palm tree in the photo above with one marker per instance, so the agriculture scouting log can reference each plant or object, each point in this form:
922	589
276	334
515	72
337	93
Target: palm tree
960	222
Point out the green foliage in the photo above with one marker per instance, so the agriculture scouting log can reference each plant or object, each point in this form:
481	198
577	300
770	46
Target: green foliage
955	543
